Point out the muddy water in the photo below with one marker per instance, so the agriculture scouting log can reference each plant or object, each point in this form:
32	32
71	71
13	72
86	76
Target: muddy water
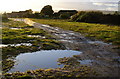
104	58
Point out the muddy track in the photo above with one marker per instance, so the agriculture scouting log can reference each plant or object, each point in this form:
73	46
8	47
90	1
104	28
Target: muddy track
100	55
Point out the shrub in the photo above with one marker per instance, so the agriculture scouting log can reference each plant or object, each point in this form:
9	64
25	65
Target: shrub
90	17
76	16
96	17
64	16
47	10
110	19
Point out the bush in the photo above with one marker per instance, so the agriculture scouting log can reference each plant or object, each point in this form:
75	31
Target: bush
96	17
64	16
76	16
90	17
110	19
47	10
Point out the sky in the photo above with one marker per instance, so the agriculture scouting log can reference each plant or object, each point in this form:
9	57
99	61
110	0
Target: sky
37	5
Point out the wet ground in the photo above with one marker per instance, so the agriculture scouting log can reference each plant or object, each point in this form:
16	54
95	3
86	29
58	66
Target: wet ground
97	54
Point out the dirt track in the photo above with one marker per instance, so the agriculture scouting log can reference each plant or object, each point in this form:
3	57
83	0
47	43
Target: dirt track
98	54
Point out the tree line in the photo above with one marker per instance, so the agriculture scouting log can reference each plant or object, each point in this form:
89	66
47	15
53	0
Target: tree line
82	16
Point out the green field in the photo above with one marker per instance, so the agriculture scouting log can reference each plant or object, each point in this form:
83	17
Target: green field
106	33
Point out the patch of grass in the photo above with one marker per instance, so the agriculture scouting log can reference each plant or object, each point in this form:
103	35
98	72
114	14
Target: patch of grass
80	72
7	64
10	36
25	77
17	24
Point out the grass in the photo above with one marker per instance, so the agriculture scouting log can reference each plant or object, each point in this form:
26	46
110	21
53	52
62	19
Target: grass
106	33
17	24
10	36
78	73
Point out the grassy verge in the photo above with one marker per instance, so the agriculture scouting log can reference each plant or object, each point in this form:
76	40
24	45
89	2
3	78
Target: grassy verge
106	33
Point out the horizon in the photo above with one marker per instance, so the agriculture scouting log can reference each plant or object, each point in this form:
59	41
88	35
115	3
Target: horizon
59	10
37	5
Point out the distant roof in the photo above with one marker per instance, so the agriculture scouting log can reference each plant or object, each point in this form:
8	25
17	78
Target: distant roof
22	11
14	12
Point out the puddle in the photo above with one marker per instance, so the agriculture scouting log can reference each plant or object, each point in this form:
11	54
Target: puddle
34	60
3	45
63	34
15	28
117	58
98	42
25	44
17	19
72	33
45	25
71	41
85	61
36	36
72	38
57	29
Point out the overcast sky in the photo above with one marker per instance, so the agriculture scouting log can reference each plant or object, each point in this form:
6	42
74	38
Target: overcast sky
36	5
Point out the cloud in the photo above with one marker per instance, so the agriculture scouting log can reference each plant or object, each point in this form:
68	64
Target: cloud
75	5
105	4
36	5
104	1
72	0
87	6
111	6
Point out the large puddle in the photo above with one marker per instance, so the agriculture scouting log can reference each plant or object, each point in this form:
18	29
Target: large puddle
41	59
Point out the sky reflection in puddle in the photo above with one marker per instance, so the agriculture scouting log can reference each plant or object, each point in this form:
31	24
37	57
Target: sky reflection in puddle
41	59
